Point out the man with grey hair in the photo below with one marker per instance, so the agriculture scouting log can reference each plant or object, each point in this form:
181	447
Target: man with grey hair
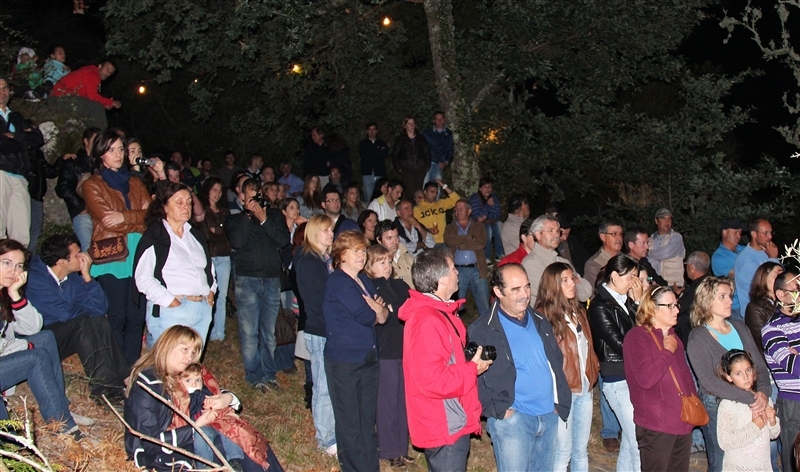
697	265
442	413
667	250
610	232
546	231
467	237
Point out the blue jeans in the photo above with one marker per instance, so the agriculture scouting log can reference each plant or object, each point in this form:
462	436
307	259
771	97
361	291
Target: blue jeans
196	315
452	458
493	234
713	452
369	185
524	442
222	265
611	427
37	219
258	300
83	227
321	406
44	377
230	449
619	399
470	278
435	172
573	435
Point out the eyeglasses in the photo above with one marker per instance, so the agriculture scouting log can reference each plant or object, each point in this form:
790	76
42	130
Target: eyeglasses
7	264
671	306
614	234
333	200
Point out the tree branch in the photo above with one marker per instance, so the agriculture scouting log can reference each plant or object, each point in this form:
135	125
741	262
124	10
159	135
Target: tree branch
485	91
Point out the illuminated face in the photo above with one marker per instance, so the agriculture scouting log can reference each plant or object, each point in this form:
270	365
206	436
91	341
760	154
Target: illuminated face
410	126
665	316
721	305
550	235
742	374
396	192
192	382
430	194
59	54
106	70
438	121
516	296
372	132
568	284
612	239
462	212
268	174
180	357
390	241
115	156
134	152
12	264
638	249
405	211
764	234
382	268
664	224
292	211
486	190
325	237
353	259
179	207
215	193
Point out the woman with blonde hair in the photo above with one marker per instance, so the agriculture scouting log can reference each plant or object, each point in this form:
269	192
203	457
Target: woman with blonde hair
351	309
312	265
654	357
713	335
557	301
391	418
160	369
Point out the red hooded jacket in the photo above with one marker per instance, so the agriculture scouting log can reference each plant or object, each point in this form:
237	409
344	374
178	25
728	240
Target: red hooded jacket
441	385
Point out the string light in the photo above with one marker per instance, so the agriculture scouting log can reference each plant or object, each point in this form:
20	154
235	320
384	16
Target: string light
297	69
142	90
386	21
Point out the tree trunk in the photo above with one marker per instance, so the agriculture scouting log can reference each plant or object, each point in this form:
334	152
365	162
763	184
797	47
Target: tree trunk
441	34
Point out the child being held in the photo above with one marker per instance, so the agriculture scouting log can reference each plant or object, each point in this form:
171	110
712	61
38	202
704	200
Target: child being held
236	435
744	439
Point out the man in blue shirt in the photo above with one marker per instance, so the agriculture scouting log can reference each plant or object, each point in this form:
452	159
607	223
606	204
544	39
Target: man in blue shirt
725	256
73	307
440	142
526	391
760	250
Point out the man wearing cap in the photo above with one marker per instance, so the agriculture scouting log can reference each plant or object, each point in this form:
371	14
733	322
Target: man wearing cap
667	250
723	258
760	250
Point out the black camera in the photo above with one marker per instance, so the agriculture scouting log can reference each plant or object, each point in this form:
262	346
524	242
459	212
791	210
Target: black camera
489	353
262	201
142	161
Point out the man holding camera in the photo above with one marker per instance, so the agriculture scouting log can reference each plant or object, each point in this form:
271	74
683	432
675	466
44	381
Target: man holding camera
257	235
526	391
440	383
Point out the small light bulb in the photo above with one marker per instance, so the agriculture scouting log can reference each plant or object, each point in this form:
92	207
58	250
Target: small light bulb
195	80
142	89
296	69
387	21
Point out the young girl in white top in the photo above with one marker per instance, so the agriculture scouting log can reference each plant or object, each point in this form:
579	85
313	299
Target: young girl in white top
744	439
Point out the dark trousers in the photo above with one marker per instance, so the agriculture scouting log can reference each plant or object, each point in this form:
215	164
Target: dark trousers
354	396
789	414
663	452
391	417
124	316
451	458
101	355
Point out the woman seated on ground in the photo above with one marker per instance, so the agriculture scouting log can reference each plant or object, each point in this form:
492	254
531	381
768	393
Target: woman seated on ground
352	206
160	369
311	203
33	359
367	221
173	267
762	300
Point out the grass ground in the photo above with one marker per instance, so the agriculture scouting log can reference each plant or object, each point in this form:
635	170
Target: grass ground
280	415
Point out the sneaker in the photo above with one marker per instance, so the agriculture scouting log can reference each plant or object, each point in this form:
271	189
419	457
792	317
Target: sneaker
81	420
397	462
331	450
76	433
261	387
408	459
274	385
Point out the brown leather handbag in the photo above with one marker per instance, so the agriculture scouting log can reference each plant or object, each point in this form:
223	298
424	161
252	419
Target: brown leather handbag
109	250
692	409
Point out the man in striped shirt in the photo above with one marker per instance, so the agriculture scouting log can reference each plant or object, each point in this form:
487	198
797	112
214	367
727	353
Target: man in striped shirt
781	338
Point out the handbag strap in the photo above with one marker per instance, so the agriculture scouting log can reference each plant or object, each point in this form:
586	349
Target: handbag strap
674	379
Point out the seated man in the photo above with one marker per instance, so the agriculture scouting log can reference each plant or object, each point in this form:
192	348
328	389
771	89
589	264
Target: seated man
84	85
73	306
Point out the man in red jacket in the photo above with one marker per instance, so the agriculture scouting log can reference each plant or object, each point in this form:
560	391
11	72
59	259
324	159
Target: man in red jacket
85	83
441	384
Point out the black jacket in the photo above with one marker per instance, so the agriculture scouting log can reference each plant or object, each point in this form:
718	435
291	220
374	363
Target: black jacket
394	293
651	272
149	416
257	246
411	153
70	172
39	172
496	385
686	300
373	156
14	151
309	274
609	323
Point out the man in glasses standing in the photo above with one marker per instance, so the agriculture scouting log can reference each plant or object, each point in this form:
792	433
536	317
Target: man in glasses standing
610	232
760	250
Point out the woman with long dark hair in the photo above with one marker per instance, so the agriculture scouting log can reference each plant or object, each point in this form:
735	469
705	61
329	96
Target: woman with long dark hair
611	316
367	221
762	300
34	359
173	267
311	203
557	301
212	223
411	158
118	205
352	206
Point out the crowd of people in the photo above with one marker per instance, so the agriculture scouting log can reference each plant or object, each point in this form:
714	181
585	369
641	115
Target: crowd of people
376	286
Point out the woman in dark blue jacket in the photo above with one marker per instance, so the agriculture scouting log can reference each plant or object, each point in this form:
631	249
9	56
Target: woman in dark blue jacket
351	310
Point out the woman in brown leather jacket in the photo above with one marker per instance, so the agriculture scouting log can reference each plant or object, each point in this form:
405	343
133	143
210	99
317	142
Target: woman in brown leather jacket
411	158
762	300
117	205
557	301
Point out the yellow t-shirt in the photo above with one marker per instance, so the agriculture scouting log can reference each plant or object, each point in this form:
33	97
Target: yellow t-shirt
430	214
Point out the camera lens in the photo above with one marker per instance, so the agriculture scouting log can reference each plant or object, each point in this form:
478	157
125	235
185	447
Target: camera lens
489	353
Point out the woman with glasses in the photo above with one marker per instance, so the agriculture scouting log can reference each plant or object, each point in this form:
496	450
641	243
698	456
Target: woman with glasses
655	356
713	335
611	316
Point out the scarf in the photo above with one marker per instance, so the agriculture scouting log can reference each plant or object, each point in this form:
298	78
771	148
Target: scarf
234	428
119	181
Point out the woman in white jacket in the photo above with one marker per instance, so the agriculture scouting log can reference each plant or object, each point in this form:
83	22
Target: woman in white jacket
33	359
